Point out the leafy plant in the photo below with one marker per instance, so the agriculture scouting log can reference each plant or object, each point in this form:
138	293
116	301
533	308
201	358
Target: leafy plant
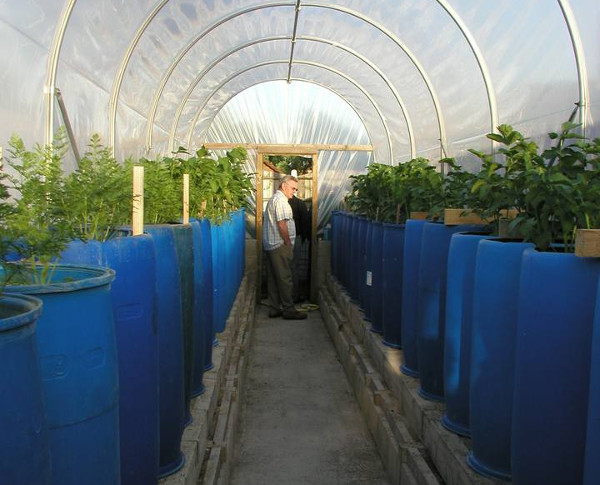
39	225
162	193
6	245
390	193
555	192
217	185
98	193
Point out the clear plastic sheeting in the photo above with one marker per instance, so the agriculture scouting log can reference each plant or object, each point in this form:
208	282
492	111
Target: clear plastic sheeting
275	112
425	77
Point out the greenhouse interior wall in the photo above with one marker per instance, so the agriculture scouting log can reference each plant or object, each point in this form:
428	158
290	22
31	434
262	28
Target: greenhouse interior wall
358	82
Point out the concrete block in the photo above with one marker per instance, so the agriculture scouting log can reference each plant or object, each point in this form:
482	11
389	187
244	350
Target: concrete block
420	469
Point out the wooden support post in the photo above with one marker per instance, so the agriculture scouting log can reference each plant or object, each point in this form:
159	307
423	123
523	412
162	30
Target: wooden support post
259	223
186	198
314	254
137	216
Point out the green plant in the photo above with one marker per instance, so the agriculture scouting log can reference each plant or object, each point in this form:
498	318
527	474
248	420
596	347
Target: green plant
217	185
98	193
38	225
555	192
163	200
455	189
390	193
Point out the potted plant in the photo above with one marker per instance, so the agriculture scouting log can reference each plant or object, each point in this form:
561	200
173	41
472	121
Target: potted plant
75	333
99	200
24	440
557	296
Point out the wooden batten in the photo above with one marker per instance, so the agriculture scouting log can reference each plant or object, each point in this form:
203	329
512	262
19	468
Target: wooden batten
587	243
137	215
420	216
454	217
186	198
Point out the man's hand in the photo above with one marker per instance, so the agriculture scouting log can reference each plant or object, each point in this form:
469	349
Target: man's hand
283	231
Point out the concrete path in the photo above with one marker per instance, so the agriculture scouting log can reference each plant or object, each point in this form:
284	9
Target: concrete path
301	424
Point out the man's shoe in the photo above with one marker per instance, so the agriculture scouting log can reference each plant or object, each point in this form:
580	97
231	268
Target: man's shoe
294	315
274	313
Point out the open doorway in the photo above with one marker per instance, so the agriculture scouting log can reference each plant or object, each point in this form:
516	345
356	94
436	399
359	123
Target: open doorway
275	167
271	167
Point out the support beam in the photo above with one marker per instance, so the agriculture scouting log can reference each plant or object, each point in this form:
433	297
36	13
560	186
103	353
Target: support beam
301	149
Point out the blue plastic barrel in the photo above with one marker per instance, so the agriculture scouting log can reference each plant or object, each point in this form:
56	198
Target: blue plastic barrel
393	252
219	291
200	297
592	444
78	358
170	349
207	294
335	243
184	249
365	269
24	449
345	249
413	234
351	257
432	306
359	262
377	278
557	297
494	324
134	261
457	343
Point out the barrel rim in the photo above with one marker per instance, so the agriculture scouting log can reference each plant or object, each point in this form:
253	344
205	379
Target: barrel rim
31	310
91	277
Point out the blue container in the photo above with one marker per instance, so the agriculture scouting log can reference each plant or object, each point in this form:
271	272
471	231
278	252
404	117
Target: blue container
359	262
393	252
432	306
366	271
200	297
24	449
219	278
457	343
207	294
134	261
78	358
354	255
184	249
335	243
411	259
592	445
557	297
494	323
170	349
377	278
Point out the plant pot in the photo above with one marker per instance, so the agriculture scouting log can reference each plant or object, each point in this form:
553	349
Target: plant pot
360	262
170	349
494	324
24	447
432	306
335	243
184	249
133	298
365	270
392	257
78	358
592	444
376	270
353	242
557	296
413	234
206	282
587	243
457	343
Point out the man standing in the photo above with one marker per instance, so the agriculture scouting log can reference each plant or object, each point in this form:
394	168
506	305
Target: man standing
279	232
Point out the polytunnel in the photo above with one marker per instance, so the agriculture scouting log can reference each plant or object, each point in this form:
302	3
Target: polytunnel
454	380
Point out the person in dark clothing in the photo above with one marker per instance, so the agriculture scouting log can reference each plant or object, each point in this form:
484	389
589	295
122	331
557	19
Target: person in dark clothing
302	221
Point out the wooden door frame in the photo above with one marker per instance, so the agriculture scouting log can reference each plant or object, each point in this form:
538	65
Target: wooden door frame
308	150
262	151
